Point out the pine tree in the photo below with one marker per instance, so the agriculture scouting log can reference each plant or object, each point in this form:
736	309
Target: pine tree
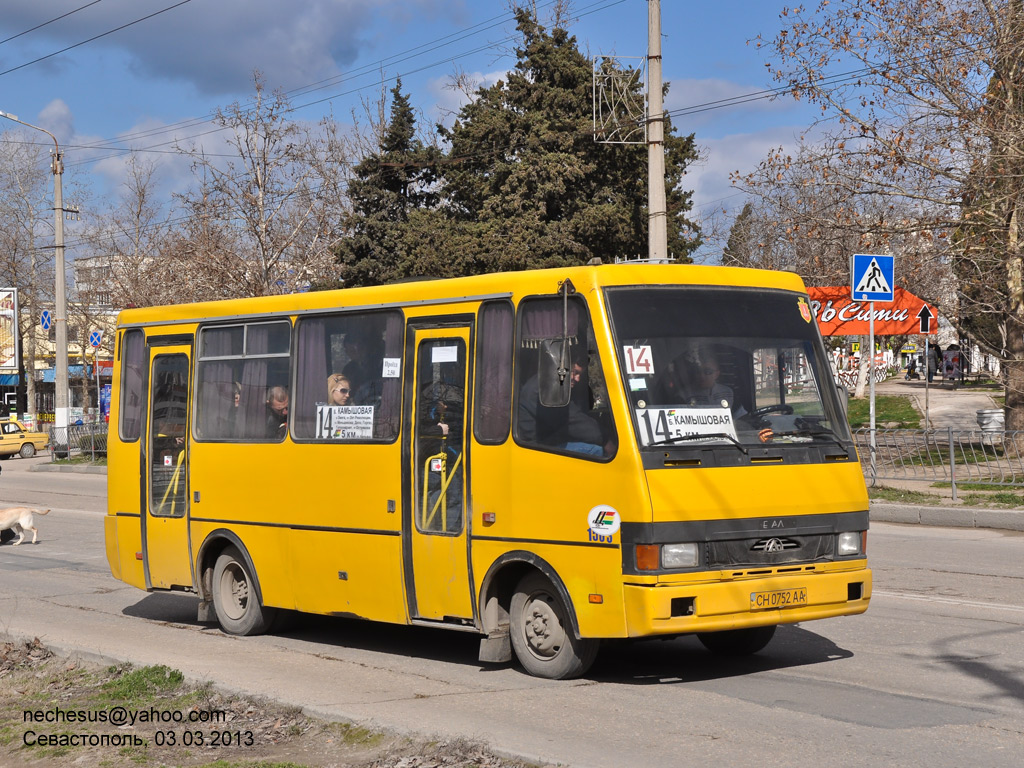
390	185
528	176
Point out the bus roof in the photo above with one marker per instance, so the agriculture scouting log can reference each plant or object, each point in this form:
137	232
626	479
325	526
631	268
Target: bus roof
460	289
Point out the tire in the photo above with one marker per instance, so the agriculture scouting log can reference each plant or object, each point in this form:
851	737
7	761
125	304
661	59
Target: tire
27	451
737	642
234	596
542	637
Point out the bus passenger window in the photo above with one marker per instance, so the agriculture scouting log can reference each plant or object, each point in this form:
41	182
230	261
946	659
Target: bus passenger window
583	427
242	380
348	377
493	397
133	397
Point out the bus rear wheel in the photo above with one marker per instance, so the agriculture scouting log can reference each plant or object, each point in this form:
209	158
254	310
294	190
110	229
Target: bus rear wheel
234	596
737	642
542	636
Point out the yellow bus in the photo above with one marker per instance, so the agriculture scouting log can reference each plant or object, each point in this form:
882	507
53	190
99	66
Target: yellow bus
546	458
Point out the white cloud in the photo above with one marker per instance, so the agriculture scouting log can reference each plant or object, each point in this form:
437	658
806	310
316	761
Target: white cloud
56	117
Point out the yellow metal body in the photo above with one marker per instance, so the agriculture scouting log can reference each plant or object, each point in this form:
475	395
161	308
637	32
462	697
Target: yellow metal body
332	528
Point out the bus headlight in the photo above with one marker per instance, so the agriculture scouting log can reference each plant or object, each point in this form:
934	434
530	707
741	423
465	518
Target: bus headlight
679	555
849	543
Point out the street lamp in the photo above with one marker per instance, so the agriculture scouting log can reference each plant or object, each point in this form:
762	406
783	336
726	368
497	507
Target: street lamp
60	403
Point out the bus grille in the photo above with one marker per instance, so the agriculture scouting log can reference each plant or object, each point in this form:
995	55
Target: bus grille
770	551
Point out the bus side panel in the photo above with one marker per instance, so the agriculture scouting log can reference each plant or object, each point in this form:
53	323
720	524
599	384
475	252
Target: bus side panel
542	502
266	547
299	507
123	537
123	524
349	574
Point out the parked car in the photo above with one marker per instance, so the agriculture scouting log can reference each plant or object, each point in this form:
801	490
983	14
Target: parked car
16	438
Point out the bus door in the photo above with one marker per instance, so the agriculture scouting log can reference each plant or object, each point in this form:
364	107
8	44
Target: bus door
165	524
436	541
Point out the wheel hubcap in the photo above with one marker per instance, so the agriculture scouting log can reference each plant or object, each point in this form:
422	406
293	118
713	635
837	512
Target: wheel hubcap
542	627
234	591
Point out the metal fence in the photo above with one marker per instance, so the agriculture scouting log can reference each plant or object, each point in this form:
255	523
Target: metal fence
85	440
994	457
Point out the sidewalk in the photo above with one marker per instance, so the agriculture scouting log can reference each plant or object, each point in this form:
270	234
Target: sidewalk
947	407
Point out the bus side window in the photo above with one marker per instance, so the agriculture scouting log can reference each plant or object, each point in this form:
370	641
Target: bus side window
239	365
348	377
133	399
584	426
493	399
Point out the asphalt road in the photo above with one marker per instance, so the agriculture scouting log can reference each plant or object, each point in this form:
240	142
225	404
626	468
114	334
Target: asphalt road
932	674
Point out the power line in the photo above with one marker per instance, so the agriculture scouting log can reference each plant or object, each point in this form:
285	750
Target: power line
406	55
94	37
58	18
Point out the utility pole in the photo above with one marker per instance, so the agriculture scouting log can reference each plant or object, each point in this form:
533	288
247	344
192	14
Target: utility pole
657	238
60	401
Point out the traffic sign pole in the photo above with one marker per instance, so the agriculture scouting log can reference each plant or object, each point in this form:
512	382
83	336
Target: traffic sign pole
871	373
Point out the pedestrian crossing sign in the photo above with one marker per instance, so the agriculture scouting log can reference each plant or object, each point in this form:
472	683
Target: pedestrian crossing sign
872	278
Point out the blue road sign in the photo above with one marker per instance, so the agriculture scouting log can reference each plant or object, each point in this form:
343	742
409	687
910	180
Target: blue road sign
872	278
46	320
95	337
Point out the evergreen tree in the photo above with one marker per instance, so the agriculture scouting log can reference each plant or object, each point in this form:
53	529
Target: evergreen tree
388	187
526	176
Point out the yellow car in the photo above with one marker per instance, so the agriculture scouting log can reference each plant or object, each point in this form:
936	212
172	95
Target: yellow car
16	438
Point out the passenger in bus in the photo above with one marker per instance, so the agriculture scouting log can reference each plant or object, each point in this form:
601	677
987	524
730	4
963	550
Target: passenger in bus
571	428
339	389
277	413
232	420
693	380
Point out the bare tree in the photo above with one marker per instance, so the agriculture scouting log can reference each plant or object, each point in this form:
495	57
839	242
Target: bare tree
26	213
923	115
271	204
132	234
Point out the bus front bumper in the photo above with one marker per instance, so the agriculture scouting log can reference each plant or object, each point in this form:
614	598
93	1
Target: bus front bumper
662	609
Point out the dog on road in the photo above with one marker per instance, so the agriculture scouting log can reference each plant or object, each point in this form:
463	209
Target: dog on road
19	520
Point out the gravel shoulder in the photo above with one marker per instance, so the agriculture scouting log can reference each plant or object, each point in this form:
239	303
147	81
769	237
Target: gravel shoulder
67	713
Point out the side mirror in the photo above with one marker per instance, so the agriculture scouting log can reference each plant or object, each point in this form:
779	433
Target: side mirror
554	389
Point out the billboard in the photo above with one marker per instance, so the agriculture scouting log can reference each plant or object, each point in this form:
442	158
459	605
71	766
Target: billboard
839	315
8	330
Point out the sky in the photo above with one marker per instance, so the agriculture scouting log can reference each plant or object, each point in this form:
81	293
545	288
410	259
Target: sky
109	76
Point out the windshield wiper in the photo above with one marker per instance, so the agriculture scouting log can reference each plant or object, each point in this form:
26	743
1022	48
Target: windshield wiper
682	438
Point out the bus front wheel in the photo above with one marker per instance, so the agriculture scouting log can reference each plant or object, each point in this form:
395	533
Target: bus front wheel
234	596
542	636
737	642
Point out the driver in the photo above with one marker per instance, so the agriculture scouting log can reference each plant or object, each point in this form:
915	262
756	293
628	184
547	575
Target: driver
693	380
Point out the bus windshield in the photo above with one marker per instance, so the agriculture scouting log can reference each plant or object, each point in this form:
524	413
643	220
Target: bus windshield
724	366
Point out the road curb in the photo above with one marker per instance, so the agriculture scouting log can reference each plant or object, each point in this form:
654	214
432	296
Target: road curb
948	517
82	469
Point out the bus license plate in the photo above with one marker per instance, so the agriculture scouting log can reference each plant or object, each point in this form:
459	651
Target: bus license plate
782	598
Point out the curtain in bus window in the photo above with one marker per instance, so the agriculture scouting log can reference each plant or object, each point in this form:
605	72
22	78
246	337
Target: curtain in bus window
543	320
215	382
132	395
494	372
312	351
386	423
259	375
